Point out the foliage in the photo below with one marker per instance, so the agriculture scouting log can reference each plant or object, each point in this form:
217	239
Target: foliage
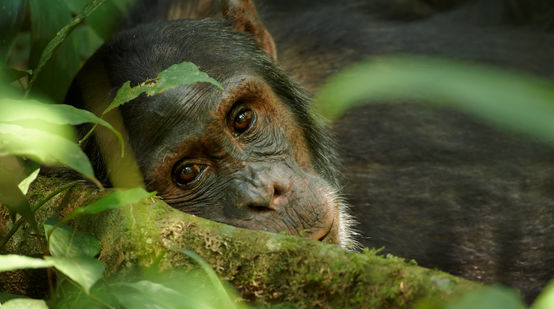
512	100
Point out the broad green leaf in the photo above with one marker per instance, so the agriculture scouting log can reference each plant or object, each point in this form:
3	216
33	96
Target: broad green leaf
12	13
44	147
70	296
546	298
105	20
490	297
85	271
11	262
25	303
12	110
12	196
61	35
25	183
114	200
51	78
176	75
87	41
65	241
219	289
148	294
512	100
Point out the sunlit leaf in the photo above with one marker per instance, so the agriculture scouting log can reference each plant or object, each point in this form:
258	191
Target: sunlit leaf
174	76
25	183
114	200
25	303
44	147
65	241
512	100
546	298
85	271
28	110
10	262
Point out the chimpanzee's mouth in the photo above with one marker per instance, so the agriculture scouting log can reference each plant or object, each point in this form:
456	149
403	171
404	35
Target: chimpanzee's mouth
328	233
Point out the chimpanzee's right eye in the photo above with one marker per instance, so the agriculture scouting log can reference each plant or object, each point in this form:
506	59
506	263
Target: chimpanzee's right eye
184	174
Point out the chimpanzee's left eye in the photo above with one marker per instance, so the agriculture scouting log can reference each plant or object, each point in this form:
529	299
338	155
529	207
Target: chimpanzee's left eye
243	120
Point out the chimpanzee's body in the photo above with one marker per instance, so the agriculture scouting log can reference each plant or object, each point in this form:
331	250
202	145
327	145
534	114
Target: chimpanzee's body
435	186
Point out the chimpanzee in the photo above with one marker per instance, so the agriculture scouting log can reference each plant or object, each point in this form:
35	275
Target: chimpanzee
250	156
433	185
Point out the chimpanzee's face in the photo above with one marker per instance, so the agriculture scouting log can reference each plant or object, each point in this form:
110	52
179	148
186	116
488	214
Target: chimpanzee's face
249	155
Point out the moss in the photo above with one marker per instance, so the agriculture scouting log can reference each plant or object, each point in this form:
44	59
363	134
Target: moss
266	268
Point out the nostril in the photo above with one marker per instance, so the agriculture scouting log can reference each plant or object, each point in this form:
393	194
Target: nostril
276	191
261	208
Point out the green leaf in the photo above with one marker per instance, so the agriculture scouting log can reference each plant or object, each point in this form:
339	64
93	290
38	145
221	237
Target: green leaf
512	100
219	289
176	75
490	297
31	110
12	13
65	241
44	147
106	19
546	298
148	294
4	297
11	262
25	183
25	303
62	34
12	110
114	200
85	271
54	77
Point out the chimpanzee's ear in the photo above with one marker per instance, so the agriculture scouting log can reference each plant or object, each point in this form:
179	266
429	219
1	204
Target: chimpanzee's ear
244	17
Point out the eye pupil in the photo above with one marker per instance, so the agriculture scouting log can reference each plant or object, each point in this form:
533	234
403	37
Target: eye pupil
243	121
188	173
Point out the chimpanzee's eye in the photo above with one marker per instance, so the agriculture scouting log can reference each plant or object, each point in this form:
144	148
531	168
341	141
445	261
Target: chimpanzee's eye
243	121
184	174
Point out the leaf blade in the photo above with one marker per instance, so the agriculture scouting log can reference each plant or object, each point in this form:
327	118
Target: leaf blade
67	242
9	262
85	271
44	147
114	200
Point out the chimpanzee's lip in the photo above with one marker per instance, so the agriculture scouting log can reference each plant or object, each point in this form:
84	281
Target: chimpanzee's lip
322	238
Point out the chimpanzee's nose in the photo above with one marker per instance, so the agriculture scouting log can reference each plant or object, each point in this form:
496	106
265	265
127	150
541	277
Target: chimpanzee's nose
267	194
262	188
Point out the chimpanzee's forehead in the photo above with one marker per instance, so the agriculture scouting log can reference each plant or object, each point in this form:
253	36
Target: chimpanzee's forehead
142	52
